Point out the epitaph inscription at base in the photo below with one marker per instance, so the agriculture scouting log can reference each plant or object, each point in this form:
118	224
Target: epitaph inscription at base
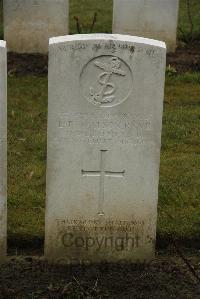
104	131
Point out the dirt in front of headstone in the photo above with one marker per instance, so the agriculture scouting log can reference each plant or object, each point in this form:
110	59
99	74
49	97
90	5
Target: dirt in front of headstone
27	64
166	277
185	59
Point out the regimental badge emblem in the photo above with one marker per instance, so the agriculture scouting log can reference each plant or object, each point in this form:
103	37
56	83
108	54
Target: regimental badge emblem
106	81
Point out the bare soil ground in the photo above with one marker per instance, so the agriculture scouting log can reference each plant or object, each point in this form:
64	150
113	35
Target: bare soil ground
166	277
185	59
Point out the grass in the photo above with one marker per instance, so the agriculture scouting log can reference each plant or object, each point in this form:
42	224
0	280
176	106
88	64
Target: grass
184	25
179	190
85	9
180	159
1	19
27	105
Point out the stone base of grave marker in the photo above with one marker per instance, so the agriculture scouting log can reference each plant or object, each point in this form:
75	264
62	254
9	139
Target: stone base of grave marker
104	137
3	150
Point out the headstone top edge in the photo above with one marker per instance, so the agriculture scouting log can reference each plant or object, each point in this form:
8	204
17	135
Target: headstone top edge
2	43
101	36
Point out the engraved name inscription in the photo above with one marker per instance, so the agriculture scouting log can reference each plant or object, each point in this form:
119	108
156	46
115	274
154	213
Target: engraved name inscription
122	128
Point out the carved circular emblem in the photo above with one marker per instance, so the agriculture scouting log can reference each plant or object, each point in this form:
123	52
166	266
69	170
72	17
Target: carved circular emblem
106	81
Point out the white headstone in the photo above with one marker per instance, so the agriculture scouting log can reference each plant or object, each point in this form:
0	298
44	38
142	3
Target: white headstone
104	137
3	150
28	24
155	19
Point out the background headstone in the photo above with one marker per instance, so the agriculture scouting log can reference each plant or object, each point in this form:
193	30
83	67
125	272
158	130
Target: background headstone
3	150
104	137
28	24
155	19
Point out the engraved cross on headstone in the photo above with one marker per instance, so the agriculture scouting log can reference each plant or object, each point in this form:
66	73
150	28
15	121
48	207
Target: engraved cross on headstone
102	173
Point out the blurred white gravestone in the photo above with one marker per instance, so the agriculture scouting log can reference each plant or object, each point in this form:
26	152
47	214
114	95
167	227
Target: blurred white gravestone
3	150
155	19
28	24
104	137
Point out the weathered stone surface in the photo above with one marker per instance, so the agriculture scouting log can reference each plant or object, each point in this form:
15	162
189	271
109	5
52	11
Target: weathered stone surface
104	137
148	18
28	24
3	150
